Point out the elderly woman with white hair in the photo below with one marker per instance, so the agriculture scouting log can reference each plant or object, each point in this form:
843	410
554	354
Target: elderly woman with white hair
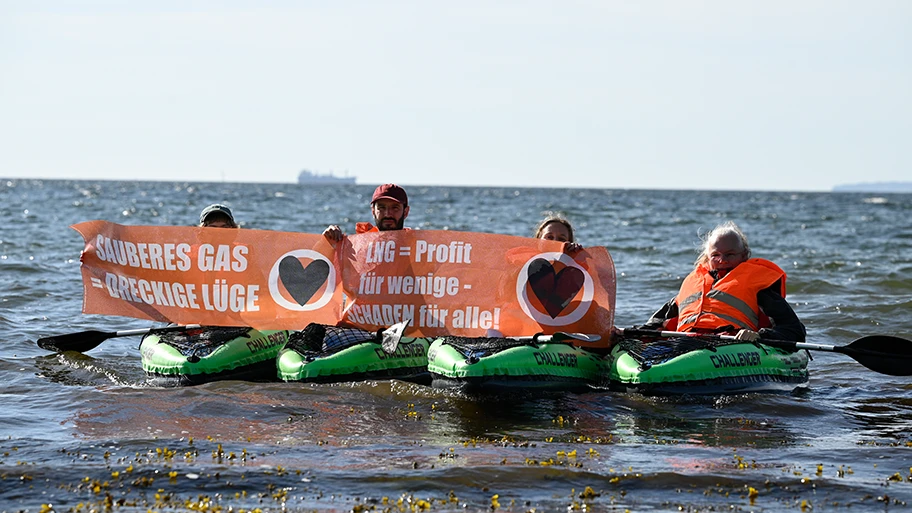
730	292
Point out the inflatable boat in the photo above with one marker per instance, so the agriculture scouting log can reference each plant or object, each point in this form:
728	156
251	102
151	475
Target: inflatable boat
328	354
210	353
692	365
540	361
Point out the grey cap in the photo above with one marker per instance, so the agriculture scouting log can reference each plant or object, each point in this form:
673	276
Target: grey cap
211	209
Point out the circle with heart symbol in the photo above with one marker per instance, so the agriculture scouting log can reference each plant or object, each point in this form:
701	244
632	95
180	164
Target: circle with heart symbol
554	290
302	282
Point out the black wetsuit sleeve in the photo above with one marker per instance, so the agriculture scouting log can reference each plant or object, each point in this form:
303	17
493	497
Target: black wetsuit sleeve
668	311
786	325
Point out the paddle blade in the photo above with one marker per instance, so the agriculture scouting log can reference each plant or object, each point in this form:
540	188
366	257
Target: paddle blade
392	335
81	342
882	353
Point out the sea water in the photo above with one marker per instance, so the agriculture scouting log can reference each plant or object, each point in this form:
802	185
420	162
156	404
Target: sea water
82	432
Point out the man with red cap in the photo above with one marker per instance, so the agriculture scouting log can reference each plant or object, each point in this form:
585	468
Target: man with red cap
390	207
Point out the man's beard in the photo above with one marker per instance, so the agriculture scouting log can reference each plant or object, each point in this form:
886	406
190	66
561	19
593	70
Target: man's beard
383	228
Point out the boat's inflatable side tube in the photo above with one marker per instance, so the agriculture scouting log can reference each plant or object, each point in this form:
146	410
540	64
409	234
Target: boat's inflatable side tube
366	360
527	365
742	367
212	353
326	354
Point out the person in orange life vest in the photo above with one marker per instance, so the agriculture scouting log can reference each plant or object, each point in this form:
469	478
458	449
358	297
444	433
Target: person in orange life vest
390	207
557	227
730	292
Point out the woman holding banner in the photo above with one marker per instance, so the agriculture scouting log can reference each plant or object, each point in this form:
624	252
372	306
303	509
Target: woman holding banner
557	227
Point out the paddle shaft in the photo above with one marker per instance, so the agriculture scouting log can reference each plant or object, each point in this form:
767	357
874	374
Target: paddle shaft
780	343
561	336
130	333
391	336
885	354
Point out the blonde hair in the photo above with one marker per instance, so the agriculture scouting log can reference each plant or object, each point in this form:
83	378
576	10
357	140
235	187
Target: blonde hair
554	217
726	229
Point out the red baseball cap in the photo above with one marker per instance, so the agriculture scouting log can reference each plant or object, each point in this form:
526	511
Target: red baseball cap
391	191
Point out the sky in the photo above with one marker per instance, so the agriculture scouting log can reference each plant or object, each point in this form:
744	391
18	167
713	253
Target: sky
658	94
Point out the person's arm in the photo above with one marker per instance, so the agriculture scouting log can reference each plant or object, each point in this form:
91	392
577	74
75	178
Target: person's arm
786	325
657	322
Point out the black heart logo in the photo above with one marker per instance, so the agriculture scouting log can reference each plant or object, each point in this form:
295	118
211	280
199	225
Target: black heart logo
302	282
554	290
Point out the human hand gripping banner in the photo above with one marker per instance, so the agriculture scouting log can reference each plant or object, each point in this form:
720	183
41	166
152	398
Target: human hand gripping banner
445	282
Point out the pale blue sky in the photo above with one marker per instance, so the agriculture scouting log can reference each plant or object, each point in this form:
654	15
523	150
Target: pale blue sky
771	95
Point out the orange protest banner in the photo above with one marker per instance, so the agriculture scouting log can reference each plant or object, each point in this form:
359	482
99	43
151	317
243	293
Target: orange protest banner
445	282
209	276
470	284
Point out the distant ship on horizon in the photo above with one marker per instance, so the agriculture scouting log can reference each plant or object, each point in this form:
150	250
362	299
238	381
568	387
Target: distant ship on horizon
307	177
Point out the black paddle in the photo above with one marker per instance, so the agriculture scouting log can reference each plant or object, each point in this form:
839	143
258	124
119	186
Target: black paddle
391	336
86	340
885	354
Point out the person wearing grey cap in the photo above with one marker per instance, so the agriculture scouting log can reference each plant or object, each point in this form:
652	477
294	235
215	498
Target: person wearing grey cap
217	216
390	207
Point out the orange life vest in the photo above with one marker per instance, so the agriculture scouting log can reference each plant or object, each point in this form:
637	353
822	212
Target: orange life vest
704	305
365	227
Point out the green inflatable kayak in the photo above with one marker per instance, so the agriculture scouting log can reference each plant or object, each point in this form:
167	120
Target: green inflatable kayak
194	356
699	366
328	354
482	363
